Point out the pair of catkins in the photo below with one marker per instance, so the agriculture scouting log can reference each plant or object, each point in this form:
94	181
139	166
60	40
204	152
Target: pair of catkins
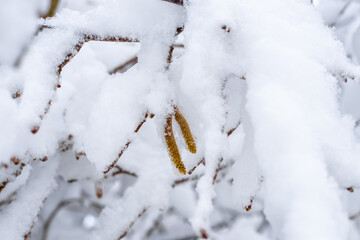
171	142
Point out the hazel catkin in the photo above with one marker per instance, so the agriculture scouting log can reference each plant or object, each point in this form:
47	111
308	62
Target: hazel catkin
172	146
185	129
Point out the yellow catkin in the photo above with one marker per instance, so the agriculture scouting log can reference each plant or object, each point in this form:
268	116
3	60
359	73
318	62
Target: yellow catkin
172	146
52	9
185	129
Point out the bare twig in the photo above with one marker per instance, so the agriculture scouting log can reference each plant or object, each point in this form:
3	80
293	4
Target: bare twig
202	161
217	170
157	226
233	129
125	66
197	177
8	199
178	45
126	145
131	224
122	171
170	55
187	179
28	234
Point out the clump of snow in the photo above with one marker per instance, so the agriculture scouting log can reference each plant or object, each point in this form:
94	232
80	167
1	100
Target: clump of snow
296	118
113	18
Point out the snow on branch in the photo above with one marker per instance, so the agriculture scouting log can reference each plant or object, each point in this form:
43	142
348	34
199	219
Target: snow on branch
17	219
127	144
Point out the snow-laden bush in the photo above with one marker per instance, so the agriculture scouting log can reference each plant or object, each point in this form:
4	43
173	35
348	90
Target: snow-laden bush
220	119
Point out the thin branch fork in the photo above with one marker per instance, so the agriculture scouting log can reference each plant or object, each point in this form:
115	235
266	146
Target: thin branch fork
202	160
120	170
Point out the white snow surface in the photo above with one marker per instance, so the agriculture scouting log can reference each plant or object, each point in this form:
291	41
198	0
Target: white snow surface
301	140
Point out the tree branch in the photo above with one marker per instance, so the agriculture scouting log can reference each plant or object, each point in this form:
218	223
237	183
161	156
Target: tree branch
202	161
125	66
131	224
127	144
122	171
71	54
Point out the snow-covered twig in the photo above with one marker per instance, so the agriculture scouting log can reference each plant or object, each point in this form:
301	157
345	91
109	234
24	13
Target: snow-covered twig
127	144
84	38
18	217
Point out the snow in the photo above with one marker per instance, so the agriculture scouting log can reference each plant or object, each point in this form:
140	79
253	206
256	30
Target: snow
18	23
260	83
292	150
17	219
113	18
